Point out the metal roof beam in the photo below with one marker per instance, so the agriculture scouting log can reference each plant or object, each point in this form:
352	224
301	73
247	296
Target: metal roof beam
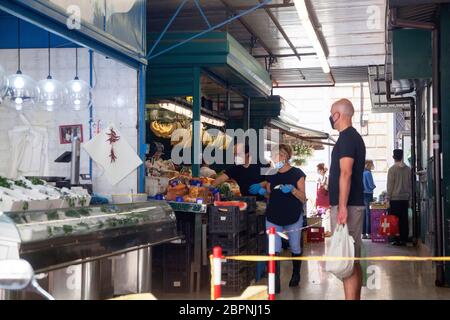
247	26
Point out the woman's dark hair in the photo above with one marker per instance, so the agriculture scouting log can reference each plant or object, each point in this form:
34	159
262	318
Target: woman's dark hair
321	167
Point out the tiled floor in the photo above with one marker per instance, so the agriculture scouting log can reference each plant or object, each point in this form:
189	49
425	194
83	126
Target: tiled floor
397	280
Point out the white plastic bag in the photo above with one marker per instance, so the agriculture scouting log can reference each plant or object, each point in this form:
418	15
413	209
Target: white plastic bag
342	245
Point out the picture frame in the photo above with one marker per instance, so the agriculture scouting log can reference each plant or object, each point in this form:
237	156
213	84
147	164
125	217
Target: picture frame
65	133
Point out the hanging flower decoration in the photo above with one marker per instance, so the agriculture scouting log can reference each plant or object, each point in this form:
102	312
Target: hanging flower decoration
301	153
112	139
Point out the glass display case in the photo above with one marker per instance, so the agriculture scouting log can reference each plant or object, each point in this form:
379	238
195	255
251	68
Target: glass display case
60	237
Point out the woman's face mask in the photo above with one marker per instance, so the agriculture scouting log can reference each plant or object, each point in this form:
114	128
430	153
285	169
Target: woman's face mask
279	162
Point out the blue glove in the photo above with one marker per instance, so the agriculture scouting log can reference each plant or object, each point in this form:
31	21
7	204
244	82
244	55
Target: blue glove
254	188
287	188
262	191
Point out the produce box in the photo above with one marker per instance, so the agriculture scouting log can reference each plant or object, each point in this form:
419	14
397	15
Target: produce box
314	221
375	217
315	234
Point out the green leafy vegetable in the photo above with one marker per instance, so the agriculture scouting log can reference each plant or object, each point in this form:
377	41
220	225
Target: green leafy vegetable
37	181
52	215
5	183
72	214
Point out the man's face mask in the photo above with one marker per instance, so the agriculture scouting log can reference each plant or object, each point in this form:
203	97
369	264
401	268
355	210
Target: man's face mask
332	121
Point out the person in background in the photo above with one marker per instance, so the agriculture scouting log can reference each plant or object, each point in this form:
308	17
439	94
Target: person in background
346	186
369	186
322	197
206	171
284	211
246	174
399	194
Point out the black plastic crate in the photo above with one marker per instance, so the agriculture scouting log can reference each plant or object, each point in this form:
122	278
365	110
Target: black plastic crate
232	251
261	223
251	202
176	282
177	257
261	243
252	246
229	240
252	224
235	284
233	268
227	220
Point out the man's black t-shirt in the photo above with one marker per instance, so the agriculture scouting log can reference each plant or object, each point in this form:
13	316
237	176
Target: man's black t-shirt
350	144
284	208
245	177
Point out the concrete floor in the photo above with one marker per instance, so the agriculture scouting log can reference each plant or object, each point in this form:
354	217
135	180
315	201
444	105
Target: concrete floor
397	280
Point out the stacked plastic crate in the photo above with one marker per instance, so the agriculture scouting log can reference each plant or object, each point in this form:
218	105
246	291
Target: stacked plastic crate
229	228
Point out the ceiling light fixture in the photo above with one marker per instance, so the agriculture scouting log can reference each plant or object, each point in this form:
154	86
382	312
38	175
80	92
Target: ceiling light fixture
22	89
51	92
79	92
303	14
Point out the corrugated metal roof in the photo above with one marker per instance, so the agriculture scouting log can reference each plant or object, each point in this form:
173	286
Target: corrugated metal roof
347	26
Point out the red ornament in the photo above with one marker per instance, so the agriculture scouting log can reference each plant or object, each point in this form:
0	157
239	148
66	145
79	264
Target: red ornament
112	139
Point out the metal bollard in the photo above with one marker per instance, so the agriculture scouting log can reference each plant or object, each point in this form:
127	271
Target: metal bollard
217	272
271	264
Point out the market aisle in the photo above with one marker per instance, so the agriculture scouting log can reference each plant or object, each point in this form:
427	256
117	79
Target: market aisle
398	280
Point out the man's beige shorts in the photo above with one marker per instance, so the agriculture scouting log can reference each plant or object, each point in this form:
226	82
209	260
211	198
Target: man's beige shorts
354	224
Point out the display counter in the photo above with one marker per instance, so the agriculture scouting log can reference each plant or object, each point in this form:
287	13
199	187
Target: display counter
79	242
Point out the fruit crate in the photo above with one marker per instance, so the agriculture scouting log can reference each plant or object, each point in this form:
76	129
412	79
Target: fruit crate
227	220
229	241
252	224
252	246
235	284
261	243
251	202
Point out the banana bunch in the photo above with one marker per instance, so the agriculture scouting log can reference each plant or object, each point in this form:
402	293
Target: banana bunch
162	130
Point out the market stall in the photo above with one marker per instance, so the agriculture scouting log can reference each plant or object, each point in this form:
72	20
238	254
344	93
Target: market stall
73	127
210	80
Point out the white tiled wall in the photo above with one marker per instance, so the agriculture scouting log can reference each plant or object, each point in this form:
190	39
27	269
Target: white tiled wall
115	101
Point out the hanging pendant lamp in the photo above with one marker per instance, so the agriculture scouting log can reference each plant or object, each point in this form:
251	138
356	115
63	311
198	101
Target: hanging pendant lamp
79	92
22	89
51	92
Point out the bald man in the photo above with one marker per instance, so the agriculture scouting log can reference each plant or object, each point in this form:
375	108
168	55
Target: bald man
346	188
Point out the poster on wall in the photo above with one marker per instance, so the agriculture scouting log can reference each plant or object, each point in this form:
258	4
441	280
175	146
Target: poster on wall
67	131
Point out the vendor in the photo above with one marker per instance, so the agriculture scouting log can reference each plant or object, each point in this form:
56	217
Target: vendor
285	209
154	160
246	174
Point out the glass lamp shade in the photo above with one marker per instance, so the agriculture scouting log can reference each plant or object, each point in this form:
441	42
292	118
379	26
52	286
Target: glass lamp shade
3	83
79	94
22	91
52	94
